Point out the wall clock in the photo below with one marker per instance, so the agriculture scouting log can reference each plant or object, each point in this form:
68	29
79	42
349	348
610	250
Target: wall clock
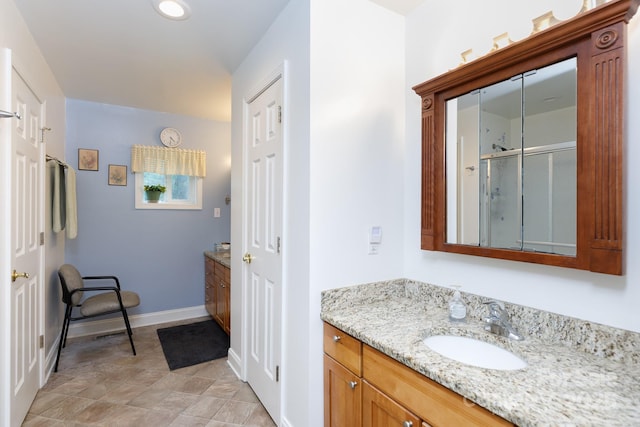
170	137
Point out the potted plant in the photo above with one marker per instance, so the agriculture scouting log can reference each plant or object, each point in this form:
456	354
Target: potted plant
153	192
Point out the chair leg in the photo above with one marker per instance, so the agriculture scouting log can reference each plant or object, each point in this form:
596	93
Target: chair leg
126	322
66	326
63	335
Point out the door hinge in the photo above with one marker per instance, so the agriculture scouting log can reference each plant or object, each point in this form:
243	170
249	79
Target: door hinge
41	341
43	130
278	245
41	238
279	113
277	373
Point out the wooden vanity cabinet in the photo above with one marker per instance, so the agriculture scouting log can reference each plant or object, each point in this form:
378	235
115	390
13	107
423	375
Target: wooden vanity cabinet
364	387
217	294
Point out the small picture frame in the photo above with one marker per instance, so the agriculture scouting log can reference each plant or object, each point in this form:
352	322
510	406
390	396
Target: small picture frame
87	159
118	175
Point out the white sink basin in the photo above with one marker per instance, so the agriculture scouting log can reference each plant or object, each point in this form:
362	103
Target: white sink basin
474	352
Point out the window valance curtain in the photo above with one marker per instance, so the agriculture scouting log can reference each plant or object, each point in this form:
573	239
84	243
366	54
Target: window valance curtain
168	161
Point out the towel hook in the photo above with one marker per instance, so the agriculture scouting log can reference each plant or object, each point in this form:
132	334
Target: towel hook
8	115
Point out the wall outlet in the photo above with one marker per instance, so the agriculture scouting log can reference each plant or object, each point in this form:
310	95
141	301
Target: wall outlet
216	212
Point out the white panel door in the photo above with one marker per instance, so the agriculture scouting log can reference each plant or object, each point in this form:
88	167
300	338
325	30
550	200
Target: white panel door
263	260
27	252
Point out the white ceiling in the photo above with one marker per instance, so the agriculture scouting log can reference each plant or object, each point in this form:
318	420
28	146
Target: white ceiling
122	52
401	6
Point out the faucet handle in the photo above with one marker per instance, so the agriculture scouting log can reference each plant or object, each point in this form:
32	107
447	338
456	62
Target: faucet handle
496	309
493	302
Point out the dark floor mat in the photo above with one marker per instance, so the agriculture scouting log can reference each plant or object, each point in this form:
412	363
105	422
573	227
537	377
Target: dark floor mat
187	345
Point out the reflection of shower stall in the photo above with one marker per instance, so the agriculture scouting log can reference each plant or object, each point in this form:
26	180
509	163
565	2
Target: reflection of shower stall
528	199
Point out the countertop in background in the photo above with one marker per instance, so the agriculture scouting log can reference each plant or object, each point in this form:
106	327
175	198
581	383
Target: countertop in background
223	257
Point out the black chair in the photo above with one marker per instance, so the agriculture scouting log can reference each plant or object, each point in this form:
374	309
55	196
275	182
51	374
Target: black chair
110	300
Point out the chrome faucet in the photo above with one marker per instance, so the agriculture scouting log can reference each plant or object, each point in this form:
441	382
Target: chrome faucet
498	321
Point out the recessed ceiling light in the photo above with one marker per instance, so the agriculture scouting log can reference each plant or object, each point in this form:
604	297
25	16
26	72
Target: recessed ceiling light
172	9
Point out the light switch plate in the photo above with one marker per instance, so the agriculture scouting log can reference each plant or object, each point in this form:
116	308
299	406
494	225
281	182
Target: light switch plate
375	234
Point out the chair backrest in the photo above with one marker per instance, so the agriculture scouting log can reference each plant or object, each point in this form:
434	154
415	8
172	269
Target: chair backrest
70	279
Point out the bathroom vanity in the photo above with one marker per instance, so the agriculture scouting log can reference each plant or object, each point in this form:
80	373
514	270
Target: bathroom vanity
217	287
365	387
377	367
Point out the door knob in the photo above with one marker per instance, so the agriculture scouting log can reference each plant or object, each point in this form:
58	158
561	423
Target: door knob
15	275
247	258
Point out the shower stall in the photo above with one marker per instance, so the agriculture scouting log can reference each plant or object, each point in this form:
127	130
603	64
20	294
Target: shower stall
512	163
531	212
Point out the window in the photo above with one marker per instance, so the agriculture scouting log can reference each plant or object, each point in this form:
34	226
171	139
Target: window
179	171
183	191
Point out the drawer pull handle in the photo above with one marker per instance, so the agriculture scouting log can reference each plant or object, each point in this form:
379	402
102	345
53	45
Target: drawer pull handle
336	338
407	424
353	384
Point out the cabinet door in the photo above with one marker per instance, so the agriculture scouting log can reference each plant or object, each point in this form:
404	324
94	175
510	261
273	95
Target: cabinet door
227	301
209	285
221	302
342	396
378	410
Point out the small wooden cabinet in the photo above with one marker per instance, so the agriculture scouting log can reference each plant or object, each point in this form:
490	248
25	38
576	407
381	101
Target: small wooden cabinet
366	388
217	292
342	382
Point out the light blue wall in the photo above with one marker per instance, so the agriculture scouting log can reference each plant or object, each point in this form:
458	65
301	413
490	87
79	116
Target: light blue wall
157	253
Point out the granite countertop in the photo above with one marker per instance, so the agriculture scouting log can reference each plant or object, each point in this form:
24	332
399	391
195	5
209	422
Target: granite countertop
223	257
578	373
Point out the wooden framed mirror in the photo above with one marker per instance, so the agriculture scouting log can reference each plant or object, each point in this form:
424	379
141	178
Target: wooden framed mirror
522	181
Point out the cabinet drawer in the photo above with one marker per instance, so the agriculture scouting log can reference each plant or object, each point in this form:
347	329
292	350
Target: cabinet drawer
429	400
343	348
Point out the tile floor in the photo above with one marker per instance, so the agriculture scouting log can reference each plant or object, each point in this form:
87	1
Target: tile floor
100	383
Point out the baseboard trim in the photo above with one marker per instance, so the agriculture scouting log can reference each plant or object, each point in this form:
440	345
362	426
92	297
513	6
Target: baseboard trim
113	324
234	361
49	362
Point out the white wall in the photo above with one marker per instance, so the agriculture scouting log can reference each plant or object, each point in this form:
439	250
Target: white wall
356	158
29	62
606	299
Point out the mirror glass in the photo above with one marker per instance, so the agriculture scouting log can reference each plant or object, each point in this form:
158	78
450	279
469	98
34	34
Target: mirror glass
511	164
